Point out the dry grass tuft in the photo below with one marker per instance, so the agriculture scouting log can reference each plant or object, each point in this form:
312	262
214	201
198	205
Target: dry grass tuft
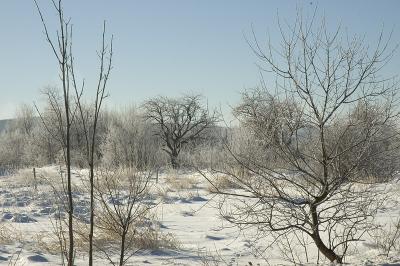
153	239
222	182
177	183
9	234
48	243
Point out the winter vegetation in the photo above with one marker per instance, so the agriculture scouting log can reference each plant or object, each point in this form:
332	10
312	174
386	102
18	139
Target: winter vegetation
308	174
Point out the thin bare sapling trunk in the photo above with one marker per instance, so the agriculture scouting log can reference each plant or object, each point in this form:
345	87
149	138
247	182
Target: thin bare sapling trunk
89	119
60	48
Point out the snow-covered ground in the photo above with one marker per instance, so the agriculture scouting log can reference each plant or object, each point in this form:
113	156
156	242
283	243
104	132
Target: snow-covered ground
186	210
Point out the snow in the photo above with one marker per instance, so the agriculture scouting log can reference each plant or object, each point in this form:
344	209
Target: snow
188	213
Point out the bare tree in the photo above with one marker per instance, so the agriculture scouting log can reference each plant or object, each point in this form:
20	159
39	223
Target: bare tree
61	47
25	120
121	194
51	129
180	121
310	135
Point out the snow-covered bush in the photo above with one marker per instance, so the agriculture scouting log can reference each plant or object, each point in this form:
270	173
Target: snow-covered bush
130	142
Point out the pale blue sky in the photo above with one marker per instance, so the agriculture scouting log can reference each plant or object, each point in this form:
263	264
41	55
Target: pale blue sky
165	47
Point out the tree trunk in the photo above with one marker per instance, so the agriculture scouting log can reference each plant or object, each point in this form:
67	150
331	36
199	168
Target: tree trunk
91	177
70	201
68	162
327	252
174	160
34	179
122	252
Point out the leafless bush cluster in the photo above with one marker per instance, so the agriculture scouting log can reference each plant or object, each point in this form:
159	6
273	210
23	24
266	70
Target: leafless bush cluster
125	224
121	194
18	141
130	141
387	238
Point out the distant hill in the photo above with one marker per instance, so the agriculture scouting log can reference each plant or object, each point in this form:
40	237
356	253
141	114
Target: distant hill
3	124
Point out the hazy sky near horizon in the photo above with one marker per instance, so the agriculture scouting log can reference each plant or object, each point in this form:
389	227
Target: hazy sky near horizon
165	47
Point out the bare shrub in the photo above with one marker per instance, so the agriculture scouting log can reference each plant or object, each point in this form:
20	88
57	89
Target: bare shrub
130	142
48	243
12	150
15	148
121	194
387	238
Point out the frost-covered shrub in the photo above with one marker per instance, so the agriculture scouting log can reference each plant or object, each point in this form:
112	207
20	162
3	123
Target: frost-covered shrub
130	142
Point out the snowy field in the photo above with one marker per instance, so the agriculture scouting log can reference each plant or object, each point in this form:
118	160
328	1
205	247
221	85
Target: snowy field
185	209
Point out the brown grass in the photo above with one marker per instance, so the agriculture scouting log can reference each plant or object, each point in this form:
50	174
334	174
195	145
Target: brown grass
177	183
222	182
9	234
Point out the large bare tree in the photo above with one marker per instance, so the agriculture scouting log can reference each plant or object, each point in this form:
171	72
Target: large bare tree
310	137
179	121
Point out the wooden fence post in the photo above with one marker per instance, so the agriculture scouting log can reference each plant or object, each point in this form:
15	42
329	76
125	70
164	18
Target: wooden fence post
34	178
